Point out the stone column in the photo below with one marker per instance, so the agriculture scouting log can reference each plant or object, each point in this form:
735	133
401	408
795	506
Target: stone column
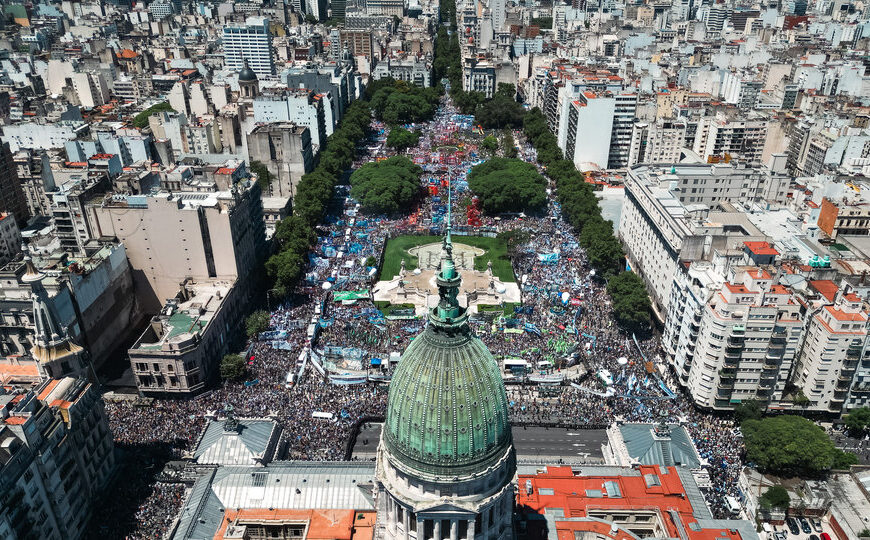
484	522
421	529
454	529
436	528
392	515
406	522
471	531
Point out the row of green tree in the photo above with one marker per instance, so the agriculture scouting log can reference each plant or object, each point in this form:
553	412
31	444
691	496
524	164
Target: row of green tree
294	235
580	207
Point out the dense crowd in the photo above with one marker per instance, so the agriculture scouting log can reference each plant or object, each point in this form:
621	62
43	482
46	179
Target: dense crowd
565	314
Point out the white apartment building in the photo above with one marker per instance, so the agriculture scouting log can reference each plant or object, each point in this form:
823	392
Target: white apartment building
57	457
479	78
657	142
91	89
718	136
625	108
251	41
667	219
747	338
693	287
300	106
588	125
836	334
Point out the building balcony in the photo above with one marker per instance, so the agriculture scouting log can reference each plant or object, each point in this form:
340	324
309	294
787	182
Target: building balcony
731	362
733	350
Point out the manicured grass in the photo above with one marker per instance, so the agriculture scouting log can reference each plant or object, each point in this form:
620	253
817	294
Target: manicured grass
507	310
386	308
495	251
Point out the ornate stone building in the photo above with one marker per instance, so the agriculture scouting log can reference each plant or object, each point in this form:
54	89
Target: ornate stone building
446	462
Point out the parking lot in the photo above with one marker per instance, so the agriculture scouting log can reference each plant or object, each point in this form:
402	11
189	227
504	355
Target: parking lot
802	535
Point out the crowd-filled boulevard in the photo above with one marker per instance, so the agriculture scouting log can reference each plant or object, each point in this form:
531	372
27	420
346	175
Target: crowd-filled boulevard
578	338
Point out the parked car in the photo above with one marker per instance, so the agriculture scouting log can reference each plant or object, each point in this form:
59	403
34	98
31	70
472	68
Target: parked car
814	537
805	526
793	525
817	525
826	536
780	535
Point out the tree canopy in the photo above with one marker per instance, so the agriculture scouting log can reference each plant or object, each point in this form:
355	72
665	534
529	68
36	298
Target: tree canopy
257	322
500	112
631	305
233	367
490	144
749	409
403	103
602	247
264	177
141	120
775	497
858	421
401	138
792	446
508	185
386	187
508	146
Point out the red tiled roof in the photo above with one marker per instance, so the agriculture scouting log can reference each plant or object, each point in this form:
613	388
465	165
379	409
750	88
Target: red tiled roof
761	248
826	288
738	288
575	496
841	315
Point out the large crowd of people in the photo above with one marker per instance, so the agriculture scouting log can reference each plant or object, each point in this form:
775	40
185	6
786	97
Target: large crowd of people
565	316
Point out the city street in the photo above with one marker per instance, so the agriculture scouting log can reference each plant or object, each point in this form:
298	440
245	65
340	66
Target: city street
531	443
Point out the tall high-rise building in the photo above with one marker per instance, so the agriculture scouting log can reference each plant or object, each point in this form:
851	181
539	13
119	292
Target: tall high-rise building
172	236
56	455
499	12
285	149
337	9
12	199
251	41
447	473
625	107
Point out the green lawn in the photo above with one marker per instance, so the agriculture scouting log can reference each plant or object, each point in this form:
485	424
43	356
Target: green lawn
386	308
507	310
496	251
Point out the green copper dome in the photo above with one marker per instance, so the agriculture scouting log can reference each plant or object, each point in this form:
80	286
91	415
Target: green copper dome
447	411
